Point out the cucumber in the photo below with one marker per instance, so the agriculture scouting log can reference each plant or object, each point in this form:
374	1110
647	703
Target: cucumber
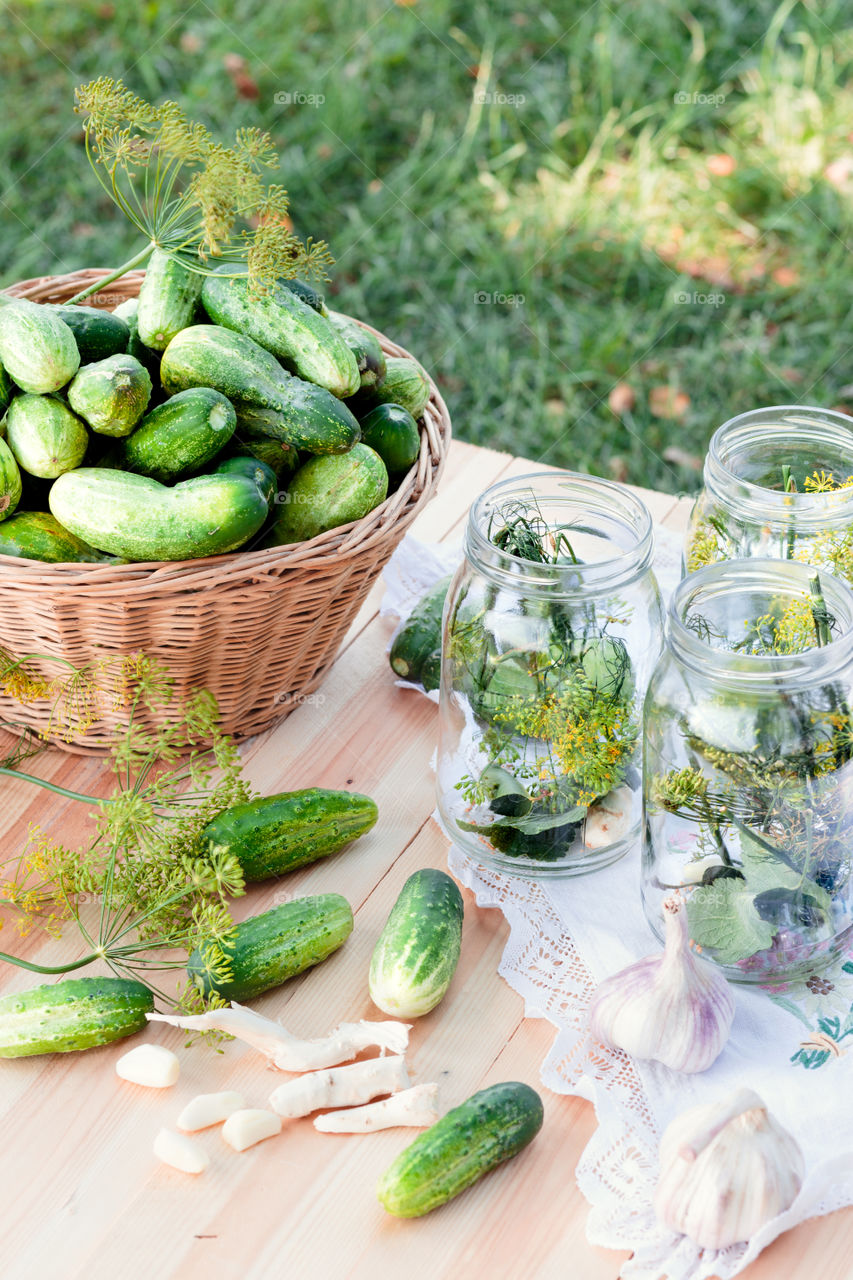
179	436
307	293
37	348
76	1014
282	459
167	300
37	535
98	333
253	469
404	383
393	433
111	394
418	950
6	390
278	833
139	519
270	403
149	359
416	647
488	1128
10	482
270	948
369	356
46	438
328	492
305	341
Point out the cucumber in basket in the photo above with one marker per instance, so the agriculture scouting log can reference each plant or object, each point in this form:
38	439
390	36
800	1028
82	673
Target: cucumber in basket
243	464
327	492
416	647
305	341
78	1013
5	390
111	394
490	1127
37	535
369	356
10	481
37	348
416	956
139	519
46	438
168	297
268	949
269	401
178	436
98	333
393	433
404	383
278	833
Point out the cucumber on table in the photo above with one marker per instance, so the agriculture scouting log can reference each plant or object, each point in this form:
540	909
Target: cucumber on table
78	1013
168	297
416	956
111	394
328	492
416	647
490	1127
10	482
278	833
46	438
37	348
98	333
178	436
268	949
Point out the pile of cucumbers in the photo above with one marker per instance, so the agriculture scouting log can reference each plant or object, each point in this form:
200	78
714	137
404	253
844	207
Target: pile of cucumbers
194	420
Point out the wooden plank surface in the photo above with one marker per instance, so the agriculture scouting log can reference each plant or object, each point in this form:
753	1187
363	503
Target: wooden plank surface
82	1194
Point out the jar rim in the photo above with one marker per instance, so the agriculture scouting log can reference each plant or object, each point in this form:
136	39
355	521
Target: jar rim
748	577
586	494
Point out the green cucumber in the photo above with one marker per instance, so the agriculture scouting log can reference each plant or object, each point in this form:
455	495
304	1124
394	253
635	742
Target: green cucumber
282	459
307	293
241	464
76	1014
37	348
364	345
416	648
111	394
179	436
393	433
405	383
270	403
140	519
418	950
98	333
278	833
37	535
10	482
6	391
268	949
168	297
128	311
305	341
490	1127
328	492
46	438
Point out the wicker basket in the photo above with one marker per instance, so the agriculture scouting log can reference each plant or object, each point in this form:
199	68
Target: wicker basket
259	629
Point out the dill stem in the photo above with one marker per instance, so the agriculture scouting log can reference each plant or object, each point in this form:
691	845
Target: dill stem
51	786
136	261
48	969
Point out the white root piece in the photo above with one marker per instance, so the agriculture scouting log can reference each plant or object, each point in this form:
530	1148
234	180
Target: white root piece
210	1108
179	1151
286	1051
151	1065
343	1087
247	1127
416	1107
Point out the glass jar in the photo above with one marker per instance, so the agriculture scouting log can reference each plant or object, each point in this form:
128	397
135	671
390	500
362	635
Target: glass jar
545	664
778	482
748	767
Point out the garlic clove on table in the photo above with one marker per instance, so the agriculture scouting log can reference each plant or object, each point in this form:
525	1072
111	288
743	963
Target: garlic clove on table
726	1169
673	1007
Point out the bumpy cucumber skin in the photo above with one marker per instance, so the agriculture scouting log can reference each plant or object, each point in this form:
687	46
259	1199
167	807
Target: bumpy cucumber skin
10	482
272	947
490	1127
416	956
98	333
278	833
243	464
393	433
270	402
37	348
111	394
5	390
416	648
307	293
139	519
37	535
328	492
167	300
46	438
364	345
78	1013
303	339
178	436
404	383
128	312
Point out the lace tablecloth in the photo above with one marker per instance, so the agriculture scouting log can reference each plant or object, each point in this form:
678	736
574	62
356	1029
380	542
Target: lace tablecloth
790	1043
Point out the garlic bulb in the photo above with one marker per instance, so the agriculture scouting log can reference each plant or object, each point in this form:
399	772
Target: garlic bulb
726	1169
673	1007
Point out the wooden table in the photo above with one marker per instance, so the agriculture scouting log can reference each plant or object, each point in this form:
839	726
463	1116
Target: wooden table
84	1196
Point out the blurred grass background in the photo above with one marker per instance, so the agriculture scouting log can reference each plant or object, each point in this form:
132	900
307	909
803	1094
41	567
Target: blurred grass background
604	228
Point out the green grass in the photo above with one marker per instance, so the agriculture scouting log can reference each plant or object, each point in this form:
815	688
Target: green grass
583	195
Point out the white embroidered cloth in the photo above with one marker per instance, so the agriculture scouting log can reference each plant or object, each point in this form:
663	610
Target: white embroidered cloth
790	1043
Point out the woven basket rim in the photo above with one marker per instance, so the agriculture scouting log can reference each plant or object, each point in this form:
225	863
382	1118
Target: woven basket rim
349	540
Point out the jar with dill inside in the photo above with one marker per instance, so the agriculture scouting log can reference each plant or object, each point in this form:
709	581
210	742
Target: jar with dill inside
778	482
748	767
553	625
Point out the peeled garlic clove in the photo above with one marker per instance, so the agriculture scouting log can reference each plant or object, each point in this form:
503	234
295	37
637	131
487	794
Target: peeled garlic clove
151	1065
179	1151
673	1007
726	1169
609	820
207	1109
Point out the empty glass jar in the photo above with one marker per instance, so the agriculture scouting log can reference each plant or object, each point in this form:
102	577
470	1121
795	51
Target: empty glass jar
552	628
778	482
748	767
